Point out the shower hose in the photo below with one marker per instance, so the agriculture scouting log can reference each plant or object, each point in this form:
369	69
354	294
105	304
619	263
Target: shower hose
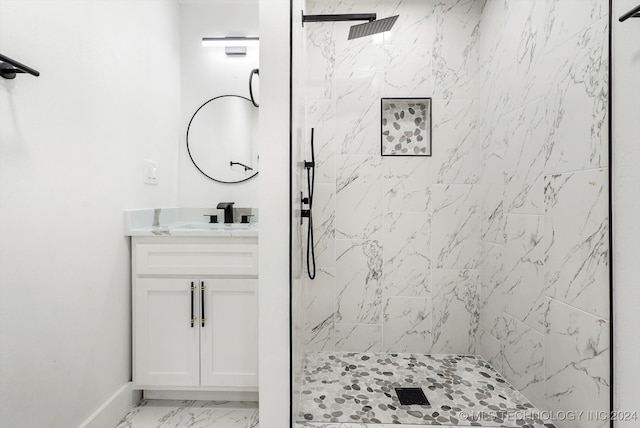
311	175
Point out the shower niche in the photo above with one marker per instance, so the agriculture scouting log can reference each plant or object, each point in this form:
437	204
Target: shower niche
406	126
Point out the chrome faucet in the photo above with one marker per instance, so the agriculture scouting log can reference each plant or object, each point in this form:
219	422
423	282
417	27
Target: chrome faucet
228	211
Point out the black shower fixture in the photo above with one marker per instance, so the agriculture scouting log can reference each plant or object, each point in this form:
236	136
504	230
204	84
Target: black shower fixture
373	26
10	67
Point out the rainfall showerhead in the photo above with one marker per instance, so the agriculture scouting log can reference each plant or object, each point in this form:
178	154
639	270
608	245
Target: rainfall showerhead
373	27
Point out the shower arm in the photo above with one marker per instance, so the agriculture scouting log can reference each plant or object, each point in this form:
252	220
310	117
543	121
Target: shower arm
338	18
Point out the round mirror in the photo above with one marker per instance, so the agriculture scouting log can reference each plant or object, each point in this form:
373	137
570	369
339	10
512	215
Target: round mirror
222	139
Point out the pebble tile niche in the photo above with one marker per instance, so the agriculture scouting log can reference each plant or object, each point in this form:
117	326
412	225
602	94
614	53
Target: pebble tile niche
406	126
463	390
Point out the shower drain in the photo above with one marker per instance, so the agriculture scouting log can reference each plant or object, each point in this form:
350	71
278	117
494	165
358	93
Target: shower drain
409	396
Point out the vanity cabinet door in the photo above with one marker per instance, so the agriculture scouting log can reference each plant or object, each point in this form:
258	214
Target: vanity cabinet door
166	351
229	338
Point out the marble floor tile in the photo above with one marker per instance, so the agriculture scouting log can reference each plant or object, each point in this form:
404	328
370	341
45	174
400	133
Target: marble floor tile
191	414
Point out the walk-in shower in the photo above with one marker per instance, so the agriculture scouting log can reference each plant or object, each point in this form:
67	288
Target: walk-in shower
480	275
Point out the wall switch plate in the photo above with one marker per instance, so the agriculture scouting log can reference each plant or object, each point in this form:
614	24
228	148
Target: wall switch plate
150	172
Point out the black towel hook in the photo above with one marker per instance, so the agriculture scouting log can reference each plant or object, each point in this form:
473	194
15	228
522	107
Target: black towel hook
257	72
10	67
633	13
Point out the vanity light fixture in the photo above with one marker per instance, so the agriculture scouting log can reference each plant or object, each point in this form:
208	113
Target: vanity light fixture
232	45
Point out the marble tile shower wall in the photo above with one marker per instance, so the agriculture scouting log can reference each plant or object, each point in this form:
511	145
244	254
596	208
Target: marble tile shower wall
544	317
397	238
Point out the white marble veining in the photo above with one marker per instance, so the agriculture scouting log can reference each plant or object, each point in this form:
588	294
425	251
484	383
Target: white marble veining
415	24
407	184
576	362
523	359
324	218
407	324
344	6
322	117
523	263
321	61
321	113
524	160
408	70
365	201
358	281
492	206
319	297
191	414
578	138
577	236
358	337
492	297
456	57
572	16
407	254
359	197
358	111
359	54
456	226
490	348
457	157
464	7
543	128
455	310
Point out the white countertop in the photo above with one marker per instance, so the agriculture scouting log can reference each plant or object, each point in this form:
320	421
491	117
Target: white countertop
183	222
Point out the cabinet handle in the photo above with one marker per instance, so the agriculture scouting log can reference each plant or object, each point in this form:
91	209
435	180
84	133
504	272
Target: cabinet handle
202	287
193	288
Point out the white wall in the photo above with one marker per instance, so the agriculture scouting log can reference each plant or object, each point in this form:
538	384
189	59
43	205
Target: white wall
207	73
274	214
626	180
72	143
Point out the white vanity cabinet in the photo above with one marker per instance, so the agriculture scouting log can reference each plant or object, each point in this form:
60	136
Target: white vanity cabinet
195	323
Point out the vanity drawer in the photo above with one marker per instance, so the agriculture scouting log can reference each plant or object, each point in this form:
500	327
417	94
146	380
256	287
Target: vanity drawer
196	259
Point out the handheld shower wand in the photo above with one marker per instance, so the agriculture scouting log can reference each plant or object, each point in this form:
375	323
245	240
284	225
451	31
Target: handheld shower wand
311	175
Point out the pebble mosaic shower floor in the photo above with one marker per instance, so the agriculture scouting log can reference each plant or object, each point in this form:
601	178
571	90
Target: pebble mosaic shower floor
358	388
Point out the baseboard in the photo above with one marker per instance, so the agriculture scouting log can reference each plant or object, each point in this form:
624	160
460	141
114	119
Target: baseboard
111	411
200	395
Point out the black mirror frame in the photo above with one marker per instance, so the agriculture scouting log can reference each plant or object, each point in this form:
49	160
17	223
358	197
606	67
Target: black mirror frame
187	140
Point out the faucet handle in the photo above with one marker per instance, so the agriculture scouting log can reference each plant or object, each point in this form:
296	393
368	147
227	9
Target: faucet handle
212	218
